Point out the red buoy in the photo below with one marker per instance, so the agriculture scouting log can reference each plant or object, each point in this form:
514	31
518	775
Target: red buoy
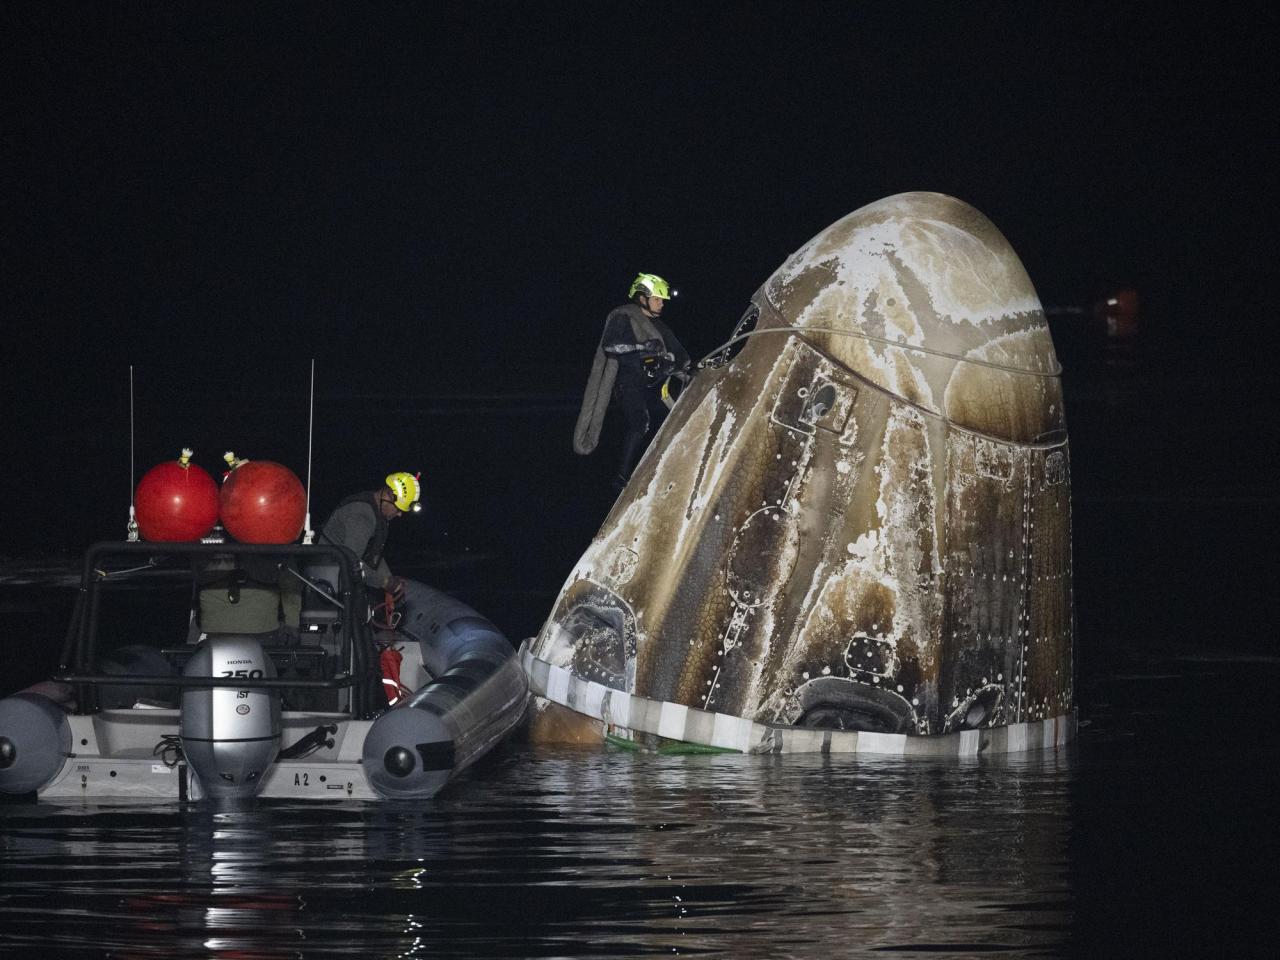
176	500
263	502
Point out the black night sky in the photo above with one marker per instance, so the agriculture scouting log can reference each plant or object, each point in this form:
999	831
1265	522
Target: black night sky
234	180
441	201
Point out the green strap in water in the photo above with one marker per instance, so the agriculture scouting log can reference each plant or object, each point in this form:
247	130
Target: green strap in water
670	749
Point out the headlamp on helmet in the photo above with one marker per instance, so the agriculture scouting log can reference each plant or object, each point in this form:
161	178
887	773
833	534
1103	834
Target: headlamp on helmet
652	285
407	488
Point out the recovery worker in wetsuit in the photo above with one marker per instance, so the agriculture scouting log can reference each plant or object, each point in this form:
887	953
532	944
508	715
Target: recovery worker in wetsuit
361	522
637	353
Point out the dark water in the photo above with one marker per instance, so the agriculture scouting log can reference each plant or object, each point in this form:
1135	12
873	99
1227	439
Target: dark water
571	854
1142	840
1153	835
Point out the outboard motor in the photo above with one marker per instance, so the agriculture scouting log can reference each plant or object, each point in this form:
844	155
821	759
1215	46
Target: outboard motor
35	738
229	736
477	695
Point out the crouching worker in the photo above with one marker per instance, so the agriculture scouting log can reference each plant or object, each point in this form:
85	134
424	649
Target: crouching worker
361	522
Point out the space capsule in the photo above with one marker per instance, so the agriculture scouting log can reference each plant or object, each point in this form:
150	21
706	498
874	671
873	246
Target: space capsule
853	533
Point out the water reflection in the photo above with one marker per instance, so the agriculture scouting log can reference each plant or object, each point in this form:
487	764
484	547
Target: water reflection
570	853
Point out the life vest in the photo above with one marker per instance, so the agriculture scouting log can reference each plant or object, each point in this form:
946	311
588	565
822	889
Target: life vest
372	554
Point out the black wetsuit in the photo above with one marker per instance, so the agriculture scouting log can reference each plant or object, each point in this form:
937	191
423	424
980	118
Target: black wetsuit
642	367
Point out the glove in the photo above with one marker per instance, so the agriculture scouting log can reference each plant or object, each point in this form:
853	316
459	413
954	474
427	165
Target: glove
652	348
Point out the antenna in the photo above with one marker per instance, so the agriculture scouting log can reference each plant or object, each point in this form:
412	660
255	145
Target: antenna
132	527
309	535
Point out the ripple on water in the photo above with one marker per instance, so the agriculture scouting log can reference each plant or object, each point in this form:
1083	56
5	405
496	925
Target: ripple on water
569	853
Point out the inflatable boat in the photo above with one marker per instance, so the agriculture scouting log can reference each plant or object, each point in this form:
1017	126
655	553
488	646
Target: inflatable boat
349	701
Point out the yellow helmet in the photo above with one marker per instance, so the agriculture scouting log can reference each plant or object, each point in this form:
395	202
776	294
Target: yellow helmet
651	285
408	490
